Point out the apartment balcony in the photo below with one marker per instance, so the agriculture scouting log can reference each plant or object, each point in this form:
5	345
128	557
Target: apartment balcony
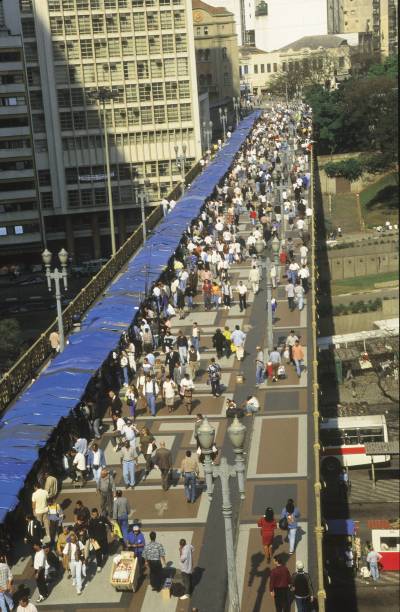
16	241
19	194
17	175
12	88
19	216
12	111
12	132
15	153
11	66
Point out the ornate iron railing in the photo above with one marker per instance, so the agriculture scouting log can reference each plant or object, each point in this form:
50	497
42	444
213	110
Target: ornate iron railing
29	364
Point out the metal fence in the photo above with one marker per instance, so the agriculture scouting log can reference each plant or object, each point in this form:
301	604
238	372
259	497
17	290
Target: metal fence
319	532
29	364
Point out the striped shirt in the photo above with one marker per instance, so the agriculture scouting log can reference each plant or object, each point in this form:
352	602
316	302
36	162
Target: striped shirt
153	551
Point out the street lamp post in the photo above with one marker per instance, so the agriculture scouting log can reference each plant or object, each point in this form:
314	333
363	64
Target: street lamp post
236	108
102	96
223	117
207	131
181	163
56	276
224	472
270	337
275	245
140	197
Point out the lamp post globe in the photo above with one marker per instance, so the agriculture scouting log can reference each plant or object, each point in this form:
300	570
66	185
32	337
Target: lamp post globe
206	435
275	244
237	432
46	257
63	257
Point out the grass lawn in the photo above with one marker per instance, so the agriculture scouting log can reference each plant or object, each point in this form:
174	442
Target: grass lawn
379	212
361	283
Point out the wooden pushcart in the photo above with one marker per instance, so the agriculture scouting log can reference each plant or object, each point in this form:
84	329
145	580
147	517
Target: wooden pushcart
125	572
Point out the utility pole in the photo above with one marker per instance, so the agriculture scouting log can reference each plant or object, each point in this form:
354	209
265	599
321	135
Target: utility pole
270	335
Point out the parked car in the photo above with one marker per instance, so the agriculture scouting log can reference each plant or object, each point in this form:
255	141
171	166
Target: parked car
87	268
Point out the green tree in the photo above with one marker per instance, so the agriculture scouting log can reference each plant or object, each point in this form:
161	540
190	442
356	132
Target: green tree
351	169
10	337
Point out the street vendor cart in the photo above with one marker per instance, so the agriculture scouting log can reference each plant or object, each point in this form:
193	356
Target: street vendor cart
125	572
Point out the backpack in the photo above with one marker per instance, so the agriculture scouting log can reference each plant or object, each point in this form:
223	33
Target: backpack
283	523
301	584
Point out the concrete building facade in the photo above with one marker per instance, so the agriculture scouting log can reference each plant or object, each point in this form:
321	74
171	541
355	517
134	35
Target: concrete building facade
377	17
217	55
328	57
20	222
142	53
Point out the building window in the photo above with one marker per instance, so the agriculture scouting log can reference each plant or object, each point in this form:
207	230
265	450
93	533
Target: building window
341	62
159	114
171	90
268	67
186	112
246	69
86	49
275	67
166	20
158	91
184	89
284	66
144	92
205	30
181	43
84	24
141	45
146	115
65	121
224	53
172	112
198	31
182	66
262	68
227	78
255	69
168	43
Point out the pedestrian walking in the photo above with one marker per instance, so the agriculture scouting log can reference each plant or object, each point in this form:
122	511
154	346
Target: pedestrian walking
183	345
304	275
40	506
163	460
98	533
219	341
39	564
186	566
275	360
242	291
289	290
193	362
190	472
238	338
106	488
151	391
73	553
6	583
302	588
260	365
298	357
267	525
254	278
299	296
214	377
154	556
186	392
121	510
279	584
290	342
128	461
373	559
147	447
195	338
96	461
24	605
289	520
168	392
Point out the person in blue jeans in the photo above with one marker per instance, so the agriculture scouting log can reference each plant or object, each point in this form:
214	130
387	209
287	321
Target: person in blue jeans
128	456
6	579
260	365
121	511
373	558
190	471
292	515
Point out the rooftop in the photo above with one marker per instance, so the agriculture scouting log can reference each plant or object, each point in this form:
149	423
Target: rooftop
326	41
212	10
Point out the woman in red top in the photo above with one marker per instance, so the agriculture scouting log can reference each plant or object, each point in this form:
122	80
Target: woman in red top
268	526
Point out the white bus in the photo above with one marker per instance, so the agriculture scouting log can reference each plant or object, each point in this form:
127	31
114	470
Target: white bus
343	438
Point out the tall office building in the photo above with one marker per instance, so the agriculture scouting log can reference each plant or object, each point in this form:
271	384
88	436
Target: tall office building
376	17
19	211
141	52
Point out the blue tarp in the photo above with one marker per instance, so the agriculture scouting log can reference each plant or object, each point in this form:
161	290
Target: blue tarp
341	527
28	424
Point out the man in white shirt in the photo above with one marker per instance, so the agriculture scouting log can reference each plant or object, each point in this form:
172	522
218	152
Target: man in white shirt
39	565
40	507
254	278
168	391
238	339
165	206
79	463
242	291
289	290
299	295
303	254
304	275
